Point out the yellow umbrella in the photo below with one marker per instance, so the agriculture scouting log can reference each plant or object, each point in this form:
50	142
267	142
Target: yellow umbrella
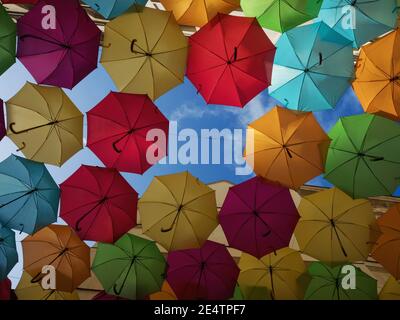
334	228
391	290
178	211
281	275
198	12
145	52
45	124
166	293
26	290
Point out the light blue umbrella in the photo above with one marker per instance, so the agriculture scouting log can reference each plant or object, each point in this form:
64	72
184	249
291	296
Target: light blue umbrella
28	195
8	252
360	20
110	9
313	68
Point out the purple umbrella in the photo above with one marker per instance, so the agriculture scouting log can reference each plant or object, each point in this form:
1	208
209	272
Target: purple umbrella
58	46
208	273
3	130
258	217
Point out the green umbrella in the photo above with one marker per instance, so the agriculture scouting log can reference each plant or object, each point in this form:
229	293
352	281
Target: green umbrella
326	284
363	158
8	36
132	267
237	294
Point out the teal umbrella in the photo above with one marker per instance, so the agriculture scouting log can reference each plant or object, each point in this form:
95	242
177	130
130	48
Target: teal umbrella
8	36
8	252
28	195
312	69
110	9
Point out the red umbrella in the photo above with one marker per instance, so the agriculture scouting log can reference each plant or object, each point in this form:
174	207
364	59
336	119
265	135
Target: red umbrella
230	60
20	1
208	273
98	204
117	131
5	289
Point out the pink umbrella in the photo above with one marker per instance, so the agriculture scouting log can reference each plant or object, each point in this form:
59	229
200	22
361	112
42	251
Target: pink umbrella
257	217
59	47
3	130
5	289
208	273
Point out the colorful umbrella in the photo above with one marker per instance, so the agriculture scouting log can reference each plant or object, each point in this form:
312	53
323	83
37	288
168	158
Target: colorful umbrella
3	128
360	21
8	34
280	275
45	124
198	12
363	158
145	52
178	211
28	195
61	55
119	128
8	252
132	267
281	15
98	204
230	60
306	76
60	247
286	147
387	249
335	228
237	294
326	284
391	290
110	9
257	217
377	82
102	295
5	289
166	293
207	273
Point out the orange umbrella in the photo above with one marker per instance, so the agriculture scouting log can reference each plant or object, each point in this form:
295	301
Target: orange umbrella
166	293
287	147
61	248
387	248
377	82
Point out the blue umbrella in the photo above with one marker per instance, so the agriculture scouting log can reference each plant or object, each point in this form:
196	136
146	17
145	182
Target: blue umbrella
28	195
110	9
312	69
362	20
8	252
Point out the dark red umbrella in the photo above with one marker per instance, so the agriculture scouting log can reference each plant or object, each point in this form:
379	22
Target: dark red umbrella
98	204
102	295
117	132
257	217
61	56
20	1
5	289
3	130
208	273
230	60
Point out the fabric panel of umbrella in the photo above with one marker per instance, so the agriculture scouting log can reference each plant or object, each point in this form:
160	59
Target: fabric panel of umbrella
8	36
8	252
102	295
110	9
5	289
391	290
166	293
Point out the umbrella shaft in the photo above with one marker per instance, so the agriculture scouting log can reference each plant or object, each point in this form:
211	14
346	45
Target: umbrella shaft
78	222
118	292
29	129
340	241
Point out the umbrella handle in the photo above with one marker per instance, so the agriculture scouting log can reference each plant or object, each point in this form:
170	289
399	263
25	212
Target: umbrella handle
33	128
22	229
115	147
117	292
395	9
78	222
320	58
37	278
235	52
97	6
22	148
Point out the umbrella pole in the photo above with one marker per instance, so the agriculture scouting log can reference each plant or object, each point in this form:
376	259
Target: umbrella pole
37	277
174	221
78	222
49	295
118	292
338	237
272	283
29	129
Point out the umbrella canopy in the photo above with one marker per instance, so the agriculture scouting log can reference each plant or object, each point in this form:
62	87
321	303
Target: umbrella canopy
237	294
326	284
166	293
8	34
118	128
45	124
363	158
60	247
208	273
102	295
60	56
280	275
281	15
305	75
110	9
28	195
360	21
334	228
145	52
198	12
178	211
286	147
230	60
132	267
20	1
5	289
377	82
387	249
8	252
391	290
28	290
98	203
257	217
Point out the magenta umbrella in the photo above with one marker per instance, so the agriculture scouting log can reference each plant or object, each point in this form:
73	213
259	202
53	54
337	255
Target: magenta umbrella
59	47
258	217
3	130
208	273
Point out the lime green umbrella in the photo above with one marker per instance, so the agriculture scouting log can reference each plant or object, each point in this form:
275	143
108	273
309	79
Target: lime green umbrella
335	283
132	267
8	36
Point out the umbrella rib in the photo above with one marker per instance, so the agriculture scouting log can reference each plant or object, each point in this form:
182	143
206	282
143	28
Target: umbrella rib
165	67
162	32
351	241
206	49
376	178
200	213
144	32
240	198
385	141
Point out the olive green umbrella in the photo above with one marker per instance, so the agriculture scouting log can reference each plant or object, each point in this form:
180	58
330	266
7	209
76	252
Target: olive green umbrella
8	38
